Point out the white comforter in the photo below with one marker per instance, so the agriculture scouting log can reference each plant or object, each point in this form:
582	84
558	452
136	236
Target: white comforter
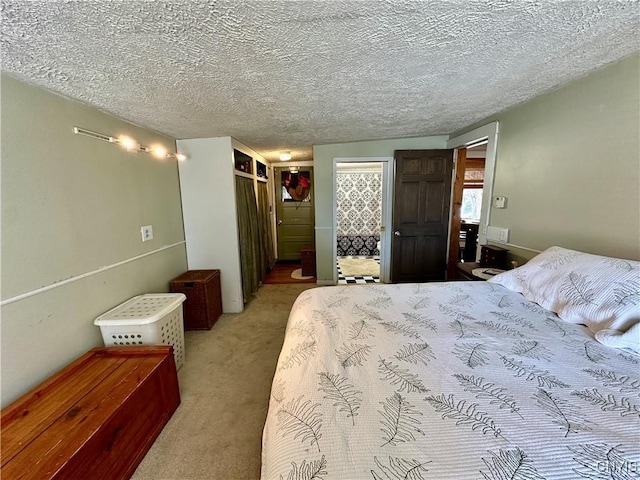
446	380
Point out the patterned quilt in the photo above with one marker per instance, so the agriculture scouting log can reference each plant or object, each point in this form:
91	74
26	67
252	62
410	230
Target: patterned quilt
464	380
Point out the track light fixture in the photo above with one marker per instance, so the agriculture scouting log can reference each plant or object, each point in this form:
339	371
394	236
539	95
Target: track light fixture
131	145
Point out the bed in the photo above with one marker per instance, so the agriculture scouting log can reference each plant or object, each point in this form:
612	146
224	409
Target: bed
495	380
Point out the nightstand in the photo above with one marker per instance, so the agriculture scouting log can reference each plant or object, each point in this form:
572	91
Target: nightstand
473	271
464	271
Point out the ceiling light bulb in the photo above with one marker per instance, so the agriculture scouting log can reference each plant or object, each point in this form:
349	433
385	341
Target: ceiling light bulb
159	151
129	144
285	156
181	157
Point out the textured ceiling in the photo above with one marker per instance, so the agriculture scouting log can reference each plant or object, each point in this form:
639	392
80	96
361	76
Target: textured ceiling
285	75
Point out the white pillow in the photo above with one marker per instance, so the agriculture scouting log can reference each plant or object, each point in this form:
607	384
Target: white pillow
600	292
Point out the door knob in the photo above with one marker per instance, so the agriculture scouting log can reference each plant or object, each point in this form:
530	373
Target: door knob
397	233
279	222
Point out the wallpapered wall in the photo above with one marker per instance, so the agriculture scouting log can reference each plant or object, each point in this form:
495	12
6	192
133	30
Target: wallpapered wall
359	213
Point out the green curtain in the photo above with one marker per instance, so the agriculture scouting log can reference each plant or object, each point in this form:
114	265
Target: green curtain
249	236
266	231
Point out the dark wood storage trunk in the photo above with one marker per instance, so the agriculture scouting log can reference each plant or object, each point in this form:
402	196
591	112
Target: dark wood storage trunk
96	418
203	305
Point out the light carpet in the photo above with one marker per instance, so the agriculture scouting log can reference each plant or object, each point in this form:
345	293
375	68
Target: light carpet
359	267
225	384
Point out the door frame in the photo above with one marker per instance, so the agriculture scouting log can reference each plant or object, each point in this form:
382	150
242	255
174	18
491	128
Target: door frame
489	134
387	203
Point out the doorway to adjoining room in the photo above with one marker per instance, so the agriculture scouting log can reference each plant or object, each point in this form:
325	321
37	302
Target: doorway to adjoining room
478	144
359	221
471	207
295	221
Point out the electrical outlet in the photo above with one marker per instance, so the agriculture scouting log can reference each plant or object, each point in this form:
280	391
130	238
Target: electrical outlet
504	235
147	232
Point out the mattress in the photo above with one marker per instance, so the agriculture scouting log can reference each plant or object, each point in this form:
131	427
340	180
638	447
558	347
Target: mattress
446	380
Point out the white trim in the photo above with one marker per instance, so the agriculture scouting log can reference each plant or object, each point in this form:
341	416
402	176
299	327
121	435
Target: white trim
84	275
360	167
237	145
388	182
387	219
240	173
291	163
490	133
517	246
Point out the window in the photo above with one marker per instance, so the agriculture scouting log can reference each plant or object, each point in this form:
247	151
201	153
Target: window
471	205
472	191
296	186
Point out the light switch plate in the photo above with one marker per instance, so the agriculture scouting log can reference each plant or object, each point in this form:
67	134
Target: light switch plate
147	232
498	234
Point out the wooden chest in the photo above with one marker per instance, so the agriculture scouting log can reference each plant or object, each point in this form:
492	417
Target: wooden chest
203	305
308	260
96	418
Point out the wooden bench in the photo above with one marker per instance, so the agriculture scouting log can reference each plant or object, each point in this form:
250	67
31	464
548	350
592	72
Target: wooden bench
94	419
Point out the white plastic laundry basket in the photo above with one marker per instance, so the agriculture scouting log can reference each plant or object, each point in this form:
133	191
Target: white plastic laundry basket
151	319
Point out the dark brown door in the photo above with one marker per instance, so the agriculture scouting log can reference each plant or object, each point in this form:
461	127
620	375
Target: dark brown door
421	215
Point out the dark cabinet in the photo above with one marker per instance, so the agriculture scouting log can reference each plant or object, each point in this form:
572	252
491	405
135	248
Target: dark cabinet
203	305
492	256
308	258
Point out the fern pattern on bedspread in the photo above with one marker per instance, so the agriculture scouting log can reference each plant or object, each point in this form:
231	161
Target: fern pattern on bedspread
446	381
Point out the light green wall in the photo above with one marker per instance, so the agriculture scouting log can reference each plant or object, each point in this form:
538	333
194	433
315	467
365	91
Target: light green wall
323	182
569	164
72	205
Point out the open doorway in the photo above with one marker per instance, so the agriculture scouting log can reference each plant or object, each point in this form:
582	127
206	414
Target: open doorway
472	193
471	202
295	211
361	243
